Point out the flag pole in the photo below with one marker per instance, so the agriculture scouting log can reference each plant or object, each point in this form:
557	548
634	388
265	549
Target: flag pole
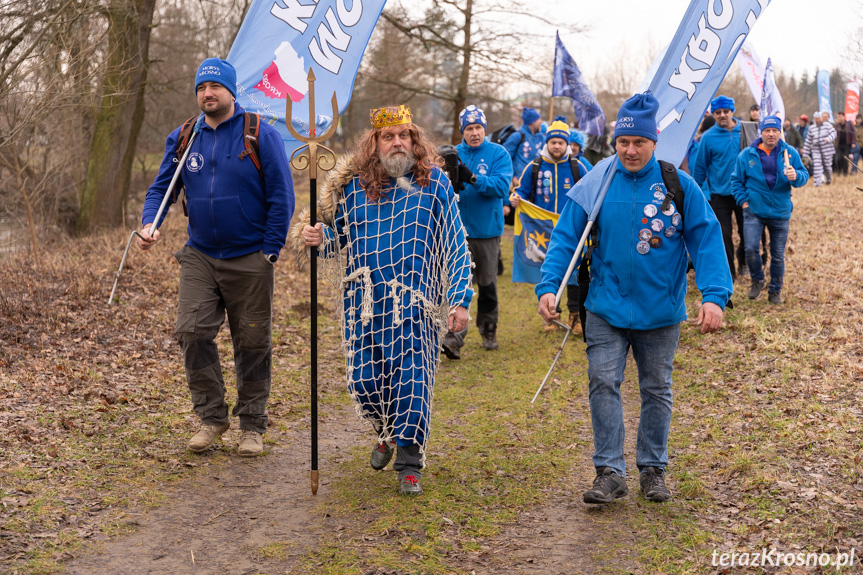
312	156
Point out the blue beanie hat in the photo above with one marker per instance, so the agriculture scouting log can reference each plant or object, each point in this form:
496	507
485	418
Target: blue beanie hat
577	137
217	70
722	103
558	129
771	121
637	117
529	116
472	115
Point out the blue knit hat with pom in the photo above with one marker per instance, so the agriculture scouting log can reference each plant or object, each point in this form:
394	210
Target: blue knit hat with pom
637	117
558	129
529	116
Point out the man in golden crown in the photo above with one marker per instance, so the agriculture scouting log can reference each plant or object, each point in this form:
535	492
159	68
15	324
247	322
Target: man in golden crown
392	230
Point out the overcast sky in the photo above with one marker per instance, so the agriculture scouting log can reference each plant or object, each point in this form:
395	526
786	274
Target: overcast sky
797	35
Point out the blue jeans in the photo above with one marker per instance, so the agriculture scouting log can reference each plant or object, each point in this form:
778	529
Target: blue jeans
855	157
653	350
778	230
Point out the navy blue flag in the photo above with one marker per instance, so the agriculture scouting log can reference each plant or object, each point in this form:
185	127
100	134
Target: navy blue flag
568	82
697	60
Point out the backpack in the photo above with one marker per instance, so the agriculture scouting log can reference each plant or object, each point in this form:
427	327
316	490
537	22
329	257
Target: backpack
673	193
534	174
251	131
501	135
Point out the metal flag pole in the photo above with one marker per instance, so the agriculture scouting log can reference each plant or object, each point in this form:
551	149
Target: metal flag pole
606	183
155	226
309	157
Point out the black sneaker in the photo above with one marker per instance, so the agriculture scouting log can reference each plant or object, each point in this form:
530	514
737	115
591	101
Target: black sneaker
489	337
755	289
449	347
742	271
653	487
773	297
607	486
409	482
381	455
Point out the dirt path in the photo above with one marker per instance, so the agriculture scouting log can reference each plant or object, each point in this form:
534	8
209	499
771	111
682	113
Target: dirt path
217	523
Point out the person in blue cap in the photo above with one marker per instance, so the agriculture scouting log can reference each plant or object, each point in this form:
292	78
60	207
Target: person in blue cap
761	182
481	207
238	222
637	295
525	145
714	161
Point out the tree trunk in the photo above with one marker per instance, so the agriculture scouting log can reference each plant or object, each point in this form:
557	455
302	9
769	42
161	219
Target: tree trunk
119	117
461	90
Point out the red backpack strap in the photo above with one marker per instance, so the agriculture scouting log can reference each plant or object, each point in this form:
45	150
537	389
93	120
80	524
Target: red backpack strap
182	142
251	131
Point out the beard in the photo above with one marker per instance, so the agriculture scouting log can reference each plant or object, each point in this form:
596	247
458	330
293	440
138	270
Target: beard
219	111
396	165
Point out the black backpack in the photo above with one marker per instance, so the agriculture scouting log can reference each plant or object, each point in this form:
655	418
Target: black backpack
251	131
673	193
534	174
501	135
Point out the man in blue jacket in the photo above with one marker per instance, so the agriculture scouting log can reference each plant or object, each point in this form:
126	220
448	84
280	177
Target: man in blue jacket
762	187
238	221
714	162
481	208
544	182
637	293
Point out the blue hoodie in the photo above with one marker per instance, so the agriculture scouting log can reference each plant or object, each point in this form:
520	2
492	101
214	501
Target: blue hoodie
749	181
232	212
628	289
714	160
523	146
480	204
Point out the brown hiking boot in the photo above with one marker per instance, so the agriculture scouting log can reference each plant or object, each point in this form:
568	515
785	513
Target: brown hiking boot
251	444
206	436
575	323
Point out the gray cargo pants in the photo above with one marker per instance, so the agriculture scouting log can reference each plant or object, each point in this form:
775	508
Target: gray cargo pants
484	252
243	287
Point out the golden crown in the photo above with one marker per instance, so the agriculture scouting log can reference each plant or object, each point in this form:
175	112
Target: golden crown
390	116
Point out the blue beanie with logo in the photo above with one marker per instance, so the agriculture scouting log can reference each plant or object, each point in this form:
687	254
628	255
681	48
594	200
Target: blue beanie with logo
637	117
529	116
217	70
558	129
771	121
722	103
472	115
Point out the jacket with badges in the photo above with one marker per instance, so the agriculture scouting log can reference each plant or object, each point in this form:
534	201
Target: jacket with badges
715	158
523	147
555	179
584	161
638	267
232	211
819	139
750	183
480	203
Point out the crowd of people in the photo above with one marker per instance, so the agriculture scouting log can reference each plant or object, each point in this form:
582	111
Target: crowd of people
414	247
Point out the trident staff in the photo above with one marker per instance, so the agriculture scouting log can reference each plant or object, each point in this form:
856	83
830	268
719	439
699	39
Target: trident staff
308	157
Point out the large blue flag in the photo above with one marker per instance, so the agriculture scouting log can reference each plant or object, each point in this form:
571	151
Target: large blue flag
771	99
280	40
567	82
695	64
823	79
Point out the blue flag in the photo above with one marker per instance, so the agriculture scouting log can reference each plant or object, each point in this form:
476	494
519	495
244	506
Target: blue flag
771	99
280	40
697	60
824	93
567	82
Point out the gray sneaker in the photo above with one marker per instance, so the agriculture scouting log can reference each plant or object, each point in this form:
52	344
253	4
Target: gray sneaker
607	486
755	289
409	482
381	455
206	436
652	481
251	444
773	297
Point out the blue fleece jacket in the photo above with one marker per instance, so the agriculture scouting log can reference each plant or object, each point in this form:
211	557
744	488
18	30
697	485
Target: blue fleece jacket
749	182
714	160
480	203
553	181
232	211
631	290
523	146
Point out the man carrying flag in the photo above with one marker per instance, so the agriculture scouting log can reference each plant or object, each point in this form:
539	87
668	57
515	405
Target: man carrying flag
637	294
545	182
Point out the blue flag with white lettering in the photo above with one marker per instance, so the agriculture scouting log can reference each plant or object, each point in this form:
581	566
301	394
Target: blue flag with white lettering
695	63
823	79
567	82
771	100
280	40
